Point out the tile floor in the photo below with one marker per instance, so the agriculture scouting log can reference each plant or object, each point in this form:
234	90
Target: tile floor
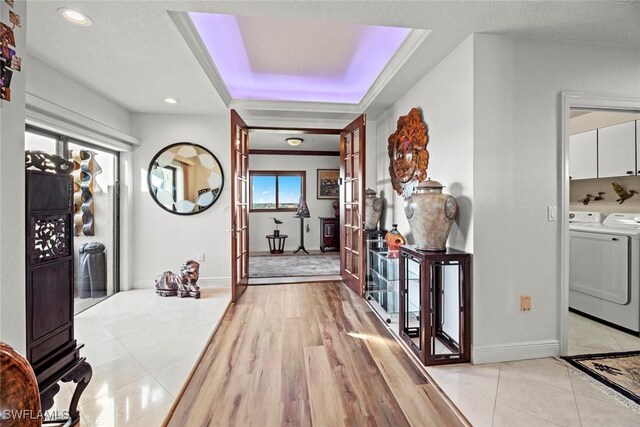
141	348
587	337
539	392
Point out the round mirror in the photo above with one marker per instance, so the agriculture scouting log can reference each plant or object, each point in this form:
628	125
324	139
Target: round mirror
185	178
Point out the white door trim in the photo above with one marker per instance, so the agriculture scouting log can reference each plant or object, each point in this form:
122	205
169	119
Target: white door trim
575	100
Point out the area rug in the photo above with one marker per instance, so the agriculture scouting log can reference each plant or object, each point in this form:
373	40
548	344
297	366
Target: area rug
619	371
294	265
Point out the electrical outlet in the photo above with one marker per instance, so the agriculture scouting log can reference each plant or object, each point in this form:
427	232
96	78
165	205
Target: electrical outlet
525	303
200	256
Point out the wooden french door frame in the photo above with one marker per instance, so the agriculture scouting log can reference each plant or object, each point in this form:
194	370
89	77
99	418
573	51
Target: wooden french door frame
352	206
352	256
239	206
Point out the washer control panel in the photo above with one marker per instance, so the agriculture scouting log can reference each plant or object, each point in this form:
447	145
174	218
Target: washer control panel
585	217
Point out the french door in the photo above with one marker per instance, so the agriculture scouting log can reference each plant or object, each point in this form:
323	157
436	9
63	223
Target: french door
239	206
352	190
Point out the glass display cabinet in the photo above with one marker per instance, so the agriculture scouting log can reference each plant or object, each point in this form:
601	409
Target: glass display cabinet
435	304
382	275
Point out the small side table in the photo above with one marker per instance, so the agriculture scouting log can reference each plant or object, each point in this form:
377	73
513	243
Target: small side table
276	243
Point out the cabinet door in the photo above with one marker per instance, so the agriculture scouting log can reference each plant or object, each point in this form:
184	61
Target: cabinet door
638	147
617	150
583	155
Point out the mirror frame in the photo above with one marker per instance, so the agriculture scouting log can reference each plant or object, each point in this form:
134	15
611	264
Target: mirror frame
151	168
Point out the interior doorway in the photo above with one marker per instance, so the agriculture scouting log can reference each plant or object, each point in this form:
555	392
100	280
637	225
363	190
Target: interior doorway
293	205
295	186
600	239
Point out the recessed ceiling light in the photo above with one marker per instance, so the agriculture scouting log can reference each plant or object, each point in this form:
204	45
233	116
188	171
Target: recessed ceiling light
171	100
294	141
75	17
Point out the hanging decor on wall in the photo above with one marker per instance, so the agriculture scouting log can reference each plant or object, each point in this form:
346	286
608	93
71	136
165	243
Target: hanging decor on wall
84	186
408	154
622	192
328	184
9	61
185	178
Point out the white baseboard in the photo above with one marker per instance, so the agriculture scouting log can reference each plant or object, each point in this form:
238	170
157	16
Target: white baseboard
514	351
202	282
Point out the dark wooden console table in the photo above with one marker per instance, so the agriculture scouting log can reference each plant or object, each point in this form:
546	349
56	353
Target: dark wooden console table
276	243
435	304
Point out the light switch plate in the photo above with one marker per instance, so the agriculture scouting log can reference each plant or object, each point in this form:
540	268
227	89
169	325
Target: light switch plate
552	213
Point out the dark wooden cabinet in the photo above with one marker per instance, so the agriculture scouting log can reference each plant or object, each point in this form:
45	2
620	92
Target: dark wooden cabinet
435	304
329	234
52	349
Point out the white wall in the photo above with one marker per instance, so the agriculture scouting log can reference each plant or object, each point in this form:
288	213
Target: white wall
517	85
445	96
161	240
261	224
56	88
12	243
56	102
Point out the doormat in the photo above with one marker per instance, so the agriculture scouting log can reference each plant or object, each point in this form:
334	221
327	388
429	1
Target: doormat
618	371
294	265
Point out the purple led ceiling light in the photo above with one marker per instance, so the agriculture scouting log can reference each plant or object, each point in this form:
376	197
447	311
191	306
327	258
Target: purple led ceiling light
223	38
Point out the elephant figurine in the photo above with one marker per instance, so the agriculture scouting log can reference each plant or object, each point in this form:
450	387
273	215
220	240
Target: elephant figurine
182	284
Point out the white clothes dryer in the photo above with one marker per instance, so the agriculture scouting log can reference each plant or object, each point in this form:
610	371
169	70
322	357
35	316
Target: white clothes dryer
604	268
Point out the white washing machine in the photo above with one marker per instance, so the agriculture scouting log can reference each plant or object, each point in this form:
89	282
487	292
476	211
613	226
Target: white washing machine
604	267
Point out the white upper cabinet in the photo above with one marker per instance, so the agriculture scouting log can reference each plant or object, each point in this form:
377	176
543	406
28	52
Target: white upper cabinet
617	150
583	155
638	147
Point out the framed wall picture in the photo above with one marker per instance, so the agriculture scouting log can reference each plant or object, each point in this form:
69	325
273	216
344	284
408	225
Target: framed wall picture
328	183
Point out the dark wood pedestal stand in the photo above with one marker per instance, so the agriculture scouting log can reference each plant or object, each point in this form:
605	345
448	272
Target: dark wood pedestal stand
301	247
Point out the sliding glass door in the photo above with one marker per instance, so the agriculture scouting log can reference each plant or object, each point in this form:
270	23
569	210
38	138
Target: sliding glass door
96	219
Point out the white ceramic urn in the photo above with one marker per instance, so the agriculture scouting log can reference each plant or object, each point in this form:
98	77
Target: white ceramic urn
373	209
431	214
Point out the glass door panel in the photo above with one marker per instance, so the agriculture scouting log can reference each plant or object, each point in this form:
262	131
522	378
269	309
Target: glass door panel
446	336
95	219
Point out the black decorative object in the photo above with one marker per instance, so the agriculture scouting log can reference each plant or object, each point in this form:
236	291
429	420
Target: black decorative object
276	232
302	213
47	162
52	349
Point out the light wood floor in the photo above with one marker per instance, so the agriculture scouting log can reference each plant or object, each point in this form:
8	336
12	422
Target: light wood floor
307	354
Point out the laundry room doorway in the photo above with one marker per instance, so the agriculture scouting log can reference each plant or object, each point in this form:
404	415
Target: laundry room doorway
600	225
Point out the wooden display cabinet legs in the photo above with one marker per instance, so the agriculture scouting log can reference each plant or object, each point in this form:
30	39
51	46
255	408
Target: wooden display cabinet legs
81	375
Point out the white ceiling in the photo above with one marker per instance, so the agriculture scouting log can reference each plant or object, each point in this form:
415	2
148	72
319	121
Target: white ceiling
299	51
135	55
277	141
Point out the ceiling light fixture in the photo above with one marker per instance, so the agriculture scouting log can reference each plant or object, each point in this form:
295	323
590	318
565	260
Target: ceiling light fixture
294	141
75	17
171	100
